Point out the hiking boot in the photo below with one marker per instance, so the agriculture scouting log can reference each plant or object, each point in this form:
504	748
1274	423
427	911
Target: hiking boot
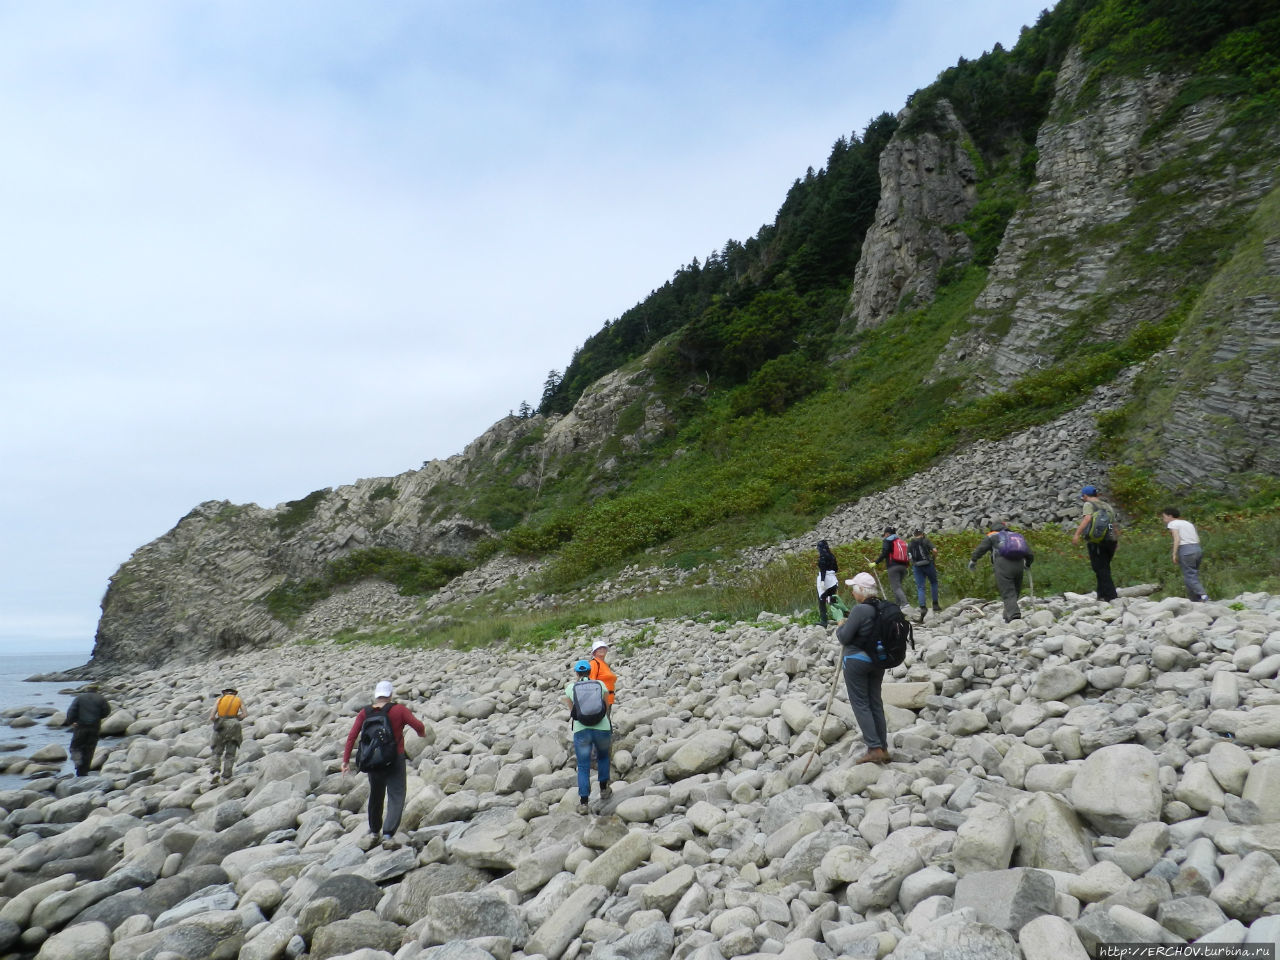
882	756
871	756
582	805
389	842
606	791
936	608
924	612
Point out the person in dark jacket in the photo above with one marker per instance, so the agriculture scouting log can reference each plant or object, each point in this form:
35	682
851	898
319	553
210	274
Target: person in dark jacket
862	679
1008	569
828	581
923	555
1100	551
897	568
85	716
388	783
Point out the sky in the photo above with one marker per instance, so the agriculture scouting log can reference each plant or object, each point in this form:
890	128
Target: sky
254	250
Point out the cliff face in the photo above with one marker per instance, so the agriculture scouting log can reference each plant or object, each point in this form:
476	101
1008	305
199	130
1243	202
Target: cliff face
1146	205
928	184
199	589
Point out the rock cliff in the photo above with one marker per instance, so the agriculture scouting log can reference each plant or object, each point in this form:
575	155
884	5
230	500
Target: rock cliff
1148	210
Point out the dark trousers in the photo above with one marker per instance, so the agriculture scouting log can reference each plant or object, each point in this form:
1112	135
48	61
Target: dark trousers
1009	584
391	783
897	573
1100	555
863	682
84	741
822	604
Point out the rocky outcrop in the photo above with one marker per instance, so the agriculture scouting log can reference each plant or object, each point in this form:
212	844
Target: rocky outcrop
1092	253
928	184
198	590
1095	772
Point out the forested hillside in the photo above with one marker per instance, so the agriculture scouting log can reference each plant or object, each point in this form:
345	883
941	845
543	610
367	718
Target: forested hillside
1096	206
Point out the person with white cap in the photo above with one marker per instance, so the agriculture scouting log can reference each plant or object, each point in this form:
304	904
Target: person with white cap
601	671
862	678
380	729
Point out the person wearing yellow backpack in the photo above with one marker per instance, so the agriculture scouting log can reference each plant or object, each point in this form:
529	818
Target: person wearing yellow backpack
226	717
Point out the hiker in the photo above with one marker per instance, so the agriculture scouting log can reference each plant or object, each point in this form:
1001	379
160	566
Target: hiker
85	715
1010	556
862	679
226	717
1187	552
1101	533
592	730
893	553
380	728
923	555
828	580
601	671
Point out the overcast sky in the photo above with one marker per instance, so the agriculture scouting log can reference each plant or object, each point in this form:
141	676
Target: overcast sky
252	249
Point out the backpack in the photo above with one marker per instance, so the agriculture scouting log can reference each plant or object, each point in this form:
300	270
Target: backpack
588	702
891	633
1013	546
919	553
1099	523
377	747
898	551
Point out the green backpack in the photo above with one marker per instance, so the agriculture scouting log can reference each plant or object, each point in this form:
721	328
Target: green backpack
1099	523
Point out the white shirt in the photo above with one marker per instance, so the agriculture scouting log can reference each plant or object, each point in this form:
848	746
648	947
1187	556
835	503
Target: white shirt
1185	530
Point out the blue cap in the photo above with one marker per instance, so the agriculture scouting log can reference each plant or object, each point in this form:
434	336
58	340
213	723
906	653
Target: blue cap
1089	491
582	666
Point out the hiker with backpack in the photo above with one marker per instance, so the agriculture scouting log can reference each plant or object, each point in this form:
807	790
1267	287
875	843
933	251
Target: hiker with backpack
873	639
592	730
1101	531
1187	552
1010	557
227	714
828	582
379	728
897	561
85	716
923	555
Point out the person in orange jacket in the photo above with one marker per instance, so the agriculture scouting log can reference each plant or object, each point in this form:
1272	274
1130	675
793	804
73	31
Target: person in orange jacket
601	670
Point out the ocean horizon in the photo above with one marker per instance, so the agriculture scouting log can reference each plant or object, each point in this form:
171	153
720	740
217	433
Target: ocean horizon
16	693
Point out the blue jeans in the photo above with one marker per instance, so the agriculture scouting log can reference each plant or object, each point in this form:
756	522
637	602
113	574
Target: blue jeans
929	572
584	741
1189	557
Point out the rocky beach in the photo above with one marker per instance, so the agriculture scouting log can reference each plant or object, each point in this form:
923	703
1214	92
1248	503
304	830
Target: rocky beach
1094	773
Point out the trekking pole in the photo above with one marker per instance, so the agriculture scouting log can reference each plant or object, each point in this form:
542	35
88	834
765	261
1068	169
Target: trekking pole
823	726
872	567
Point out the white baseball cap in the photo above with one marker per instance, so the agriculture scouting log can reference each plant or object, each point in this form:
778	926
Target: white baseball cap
599	645
383	689
862	581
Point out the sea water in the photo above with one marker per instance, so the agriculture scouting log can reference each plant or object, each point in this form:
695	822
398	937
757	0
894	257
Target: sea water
15	691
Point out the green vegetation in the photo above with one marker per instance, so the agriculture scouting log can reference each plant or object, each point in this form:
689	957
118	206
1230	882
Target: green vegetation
298	512
385	491
1233	565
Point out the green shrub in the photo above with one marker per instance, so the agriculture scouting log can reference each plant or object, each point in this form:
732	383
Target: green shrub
298	512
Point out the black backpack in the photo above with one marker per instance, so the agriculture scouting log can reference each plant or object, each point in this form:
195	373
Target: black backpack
890	634
588	702
377	748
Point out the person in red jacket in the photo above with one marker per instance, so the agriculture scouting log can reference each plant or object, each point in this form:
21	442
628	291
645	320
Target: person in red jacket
385	781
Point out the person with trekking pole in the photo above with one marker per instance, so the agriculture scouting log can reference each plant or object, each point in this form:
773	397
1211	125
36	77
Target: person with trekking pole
1011	557
897	561
380	729
587	700
862	677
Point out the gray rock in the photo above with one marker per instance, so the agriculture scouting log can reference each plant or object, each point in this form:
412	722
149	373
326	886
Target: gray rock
478	913
1190	917
559	930
84	941
1118	788
1007	899
347	936
653	942
1050	938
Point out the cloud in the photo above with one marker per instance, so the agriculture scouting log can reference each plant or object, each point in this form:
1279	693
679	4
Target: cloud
257	249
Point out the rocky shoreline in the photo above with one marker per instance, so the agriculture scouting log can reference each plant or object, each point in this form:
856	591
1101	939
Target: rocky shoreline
1098	772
